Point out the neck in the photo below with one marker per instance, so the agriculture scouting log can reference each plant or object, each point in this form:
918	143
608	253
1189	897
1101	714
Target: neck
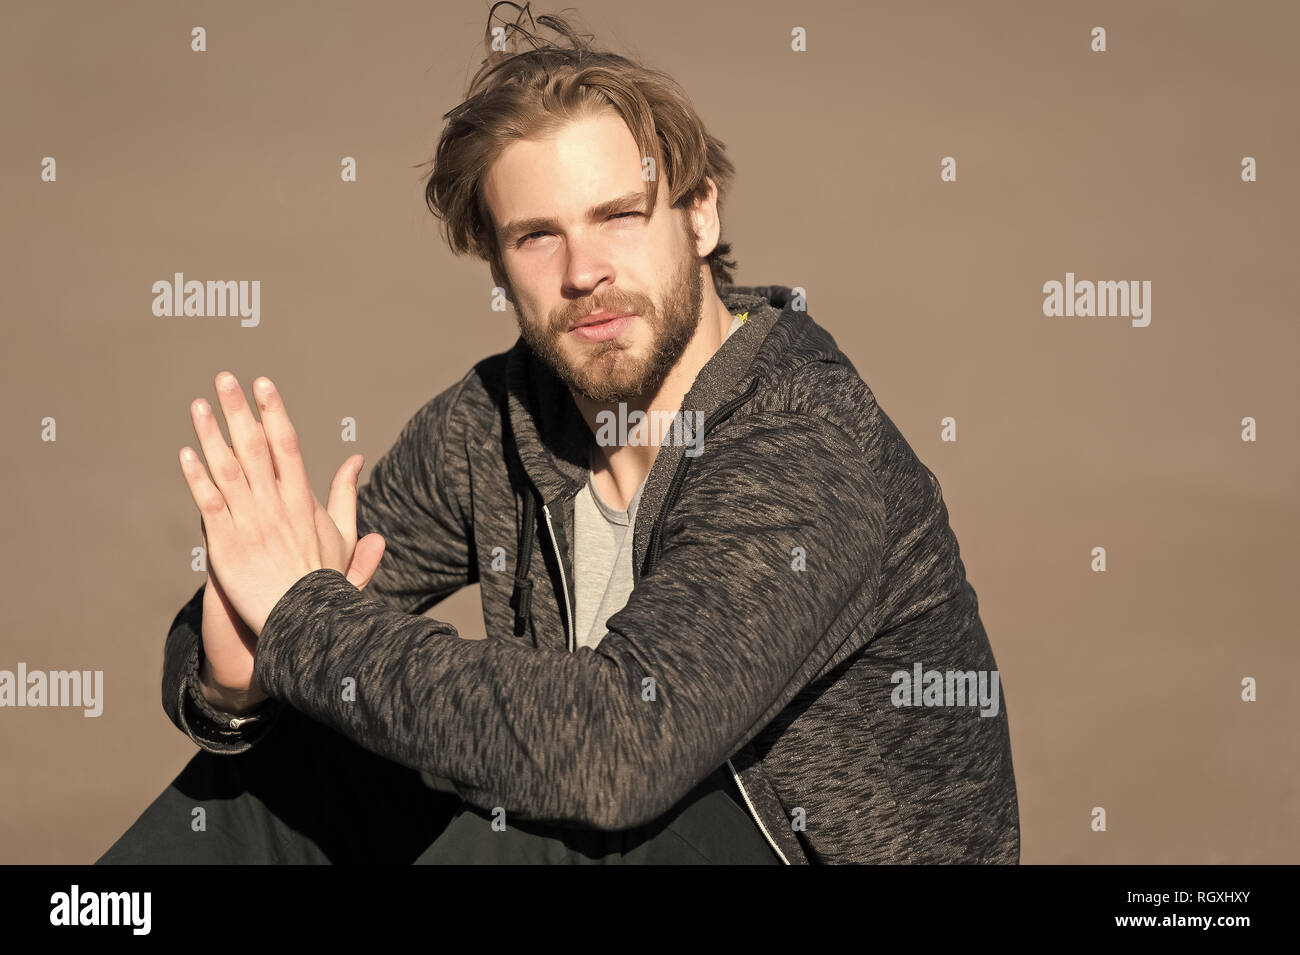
618	470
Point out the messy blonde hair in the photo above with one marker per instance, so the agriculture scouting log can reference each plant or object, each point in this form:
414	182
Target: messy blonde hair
528	95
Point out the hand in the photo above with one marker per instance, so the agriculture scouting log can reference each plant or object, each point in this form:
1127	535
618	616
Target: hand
227	678
265	528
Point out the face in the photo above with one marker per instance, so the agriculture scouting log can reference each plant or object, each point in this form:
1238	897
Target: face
576	238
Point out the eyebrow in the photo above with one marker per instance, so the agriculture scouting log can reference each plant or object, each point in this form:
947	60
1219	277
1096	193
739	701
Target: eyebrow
628	202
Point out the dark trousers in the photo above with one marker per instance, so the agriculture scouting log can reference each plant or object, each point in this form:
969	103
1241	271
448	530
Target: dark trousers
305	794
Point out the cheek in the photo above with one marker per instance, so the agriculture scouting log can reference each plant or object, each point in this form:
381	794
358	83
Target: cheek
526	288
537	283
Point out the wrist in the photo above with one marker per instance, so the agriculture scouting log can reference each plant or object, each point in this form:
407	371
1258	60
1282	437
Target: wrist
233	701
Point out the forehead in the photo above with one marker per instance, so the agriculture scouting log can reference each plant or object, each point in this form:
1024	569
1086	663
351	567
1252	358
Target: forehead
584	162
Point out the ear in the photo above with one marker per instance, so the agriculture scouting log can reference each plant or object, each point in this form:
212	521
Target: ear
702	220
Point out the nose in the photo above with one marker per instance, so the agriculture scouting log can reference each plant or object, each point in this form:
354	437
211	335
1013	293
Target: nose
587	264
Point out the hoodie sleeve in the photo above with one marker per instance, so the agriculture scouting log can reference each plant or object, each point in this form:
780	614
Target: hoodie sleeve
770	562
209	728
411	499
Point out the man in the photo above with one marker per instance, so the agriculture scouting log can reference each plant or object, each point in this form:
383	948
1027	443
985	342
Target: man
697	639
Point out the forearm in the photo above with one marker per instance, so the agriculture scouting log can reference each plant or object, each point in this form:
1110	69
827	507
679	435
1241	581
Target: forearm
565	738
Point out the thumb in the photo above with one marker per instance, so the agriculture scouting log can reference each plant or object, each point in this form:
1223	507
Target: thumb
365	560
342	505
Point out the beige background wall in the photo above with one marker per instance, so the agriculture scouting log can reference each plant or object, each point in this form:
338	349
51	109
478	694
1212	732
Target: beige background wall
1123	687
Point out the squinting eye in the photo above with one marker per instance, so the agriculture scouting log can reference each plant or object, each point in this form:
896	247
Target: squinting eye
618	215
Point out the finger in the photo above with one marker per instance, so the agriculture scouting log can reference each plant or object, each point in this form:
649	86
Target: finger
282	440
365	560
247	439
342	504
209	500
227	474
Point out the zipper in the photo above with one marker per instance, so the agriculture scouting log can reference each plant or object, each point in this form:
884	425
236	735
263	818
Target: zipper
754	812
652	551
679	475
559	560
569	615
237	721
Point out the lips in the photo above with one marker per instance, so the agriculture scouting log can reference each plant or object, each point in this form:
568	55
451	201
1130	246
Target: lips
598	318
602	326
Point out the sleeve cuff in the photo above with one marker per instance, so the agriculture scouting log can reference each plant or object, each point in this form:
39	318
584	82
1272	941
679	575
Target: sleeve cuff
214	730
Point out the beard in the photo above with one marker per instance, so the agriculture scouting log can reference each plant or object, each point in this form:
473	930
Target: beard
606	372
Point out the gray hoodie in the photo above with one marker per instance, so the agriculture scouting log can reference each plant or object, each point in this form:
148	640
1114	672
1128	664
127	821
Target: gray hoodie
800	616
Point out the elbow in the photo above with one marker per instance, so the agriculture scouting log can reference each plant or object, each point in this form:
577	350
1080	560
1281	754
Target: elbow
640	792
